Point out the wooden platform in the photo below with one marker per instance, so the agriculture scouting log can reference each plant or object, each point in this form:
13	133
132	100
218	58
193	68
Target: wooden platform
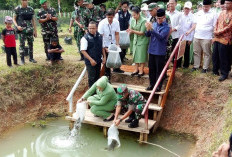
90	119
129	74
137	88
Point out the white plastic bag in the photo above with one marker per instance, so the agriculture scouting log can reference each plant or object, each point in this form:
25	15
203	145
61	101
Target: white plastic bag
114	60
80	111
113	138
124	39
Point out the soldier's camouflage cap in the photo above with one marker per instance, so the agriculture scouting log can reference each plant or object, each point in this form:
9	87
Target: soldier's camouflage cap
122	88
151	6
88	1
42	1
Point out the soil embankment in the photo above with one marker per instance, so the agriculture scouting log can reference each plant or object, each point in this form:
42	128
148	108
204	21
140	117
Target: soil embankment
197	103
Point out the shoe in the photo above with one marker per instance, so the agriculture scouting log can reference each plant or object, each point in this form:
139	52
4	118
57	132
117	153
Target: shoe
222	78
109	118
134	123
10	66
204	71
17	64
150	87
158	89
118	71
216	73
22	61
134	74
140	75
47	59
61	58
194	69
32	60
131	118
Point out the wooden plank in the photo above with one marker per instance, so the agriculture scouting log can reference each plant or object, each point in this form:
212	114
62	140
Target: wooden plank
90	119
129	74
137	88
154	107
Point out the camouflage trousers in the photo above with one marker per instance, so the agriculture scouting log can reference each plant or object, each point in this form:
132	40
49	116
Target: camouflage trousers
47	39
78	34
137	111
22	38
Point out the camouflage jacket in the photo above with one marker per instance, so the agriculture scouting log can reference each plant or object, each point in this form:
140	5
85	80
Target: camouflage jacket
135	98
95	14
82	16
24	17
50	25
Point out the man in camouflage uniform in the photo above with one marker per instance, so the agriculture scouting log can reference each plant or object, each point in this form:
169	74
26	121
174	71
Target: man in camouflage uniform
26	27
47	18
82	21
95	11
131	100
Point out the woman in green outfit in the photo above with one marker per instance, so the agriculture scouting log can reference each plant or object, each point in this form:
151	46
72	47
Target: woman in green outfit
140	41
102	99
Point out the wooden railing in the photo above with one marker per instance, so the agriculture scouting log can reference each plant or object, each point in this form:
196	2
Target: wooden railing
174	53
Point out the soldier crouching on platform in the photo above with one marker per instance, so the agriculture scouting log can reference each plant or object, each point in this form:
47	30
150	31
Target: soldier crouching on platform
26	27
47	18
133	102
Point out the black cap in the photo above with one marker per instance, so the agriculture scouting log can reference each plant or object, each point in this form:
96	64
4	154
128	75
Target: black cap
222	2
207	2
228	0
160	12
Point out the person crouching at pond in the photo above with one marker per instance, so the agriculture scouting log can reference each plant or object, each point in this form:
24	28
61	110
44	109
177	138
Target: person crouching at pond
133	102
93	51
55	50
101	98
158	32
8	36
140	41
225	150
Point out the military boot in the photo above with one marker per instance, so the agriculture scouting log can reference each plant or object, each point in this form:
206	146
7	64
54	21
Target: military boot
31	58
22	60
134	123
131	117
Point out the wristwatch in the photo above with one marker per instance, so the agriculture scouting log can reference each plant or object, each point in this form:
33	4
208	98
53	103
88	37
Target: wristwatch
120	120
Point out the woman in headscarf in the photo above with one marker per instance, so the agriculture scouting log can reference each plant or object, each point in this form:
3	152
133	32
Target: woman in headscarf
101	98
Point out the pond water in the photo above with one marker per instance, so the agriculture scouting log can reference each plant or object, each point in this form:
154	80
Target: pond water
53	141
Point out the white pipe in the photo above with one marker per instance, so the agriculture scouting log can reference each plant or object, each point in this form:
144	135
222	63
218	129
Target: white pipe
70	96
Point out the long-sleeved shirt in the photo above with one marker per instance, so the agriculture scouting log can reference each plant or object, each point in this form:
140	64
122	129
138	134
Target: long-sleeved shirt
159	36
175	23
186	22
223	28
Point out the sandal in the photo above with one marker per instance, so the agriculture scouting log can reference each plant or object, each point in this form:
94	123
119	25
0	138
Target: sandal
140	75
110	118
135	73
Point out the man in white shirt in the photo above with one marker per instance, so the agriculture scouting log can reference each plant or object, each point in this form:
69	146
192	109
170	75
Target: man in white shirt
205	21
109	28
175	25
186	22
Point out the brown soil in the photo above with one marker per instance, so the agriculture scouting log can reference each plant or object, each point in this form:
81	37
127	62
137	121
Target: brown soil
195	106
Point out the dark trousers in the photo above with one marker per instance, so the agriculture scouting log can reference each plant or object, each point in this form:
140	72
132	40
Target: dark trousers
107	70
186	56
179	61
221	58
11	51
93	73
156	64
